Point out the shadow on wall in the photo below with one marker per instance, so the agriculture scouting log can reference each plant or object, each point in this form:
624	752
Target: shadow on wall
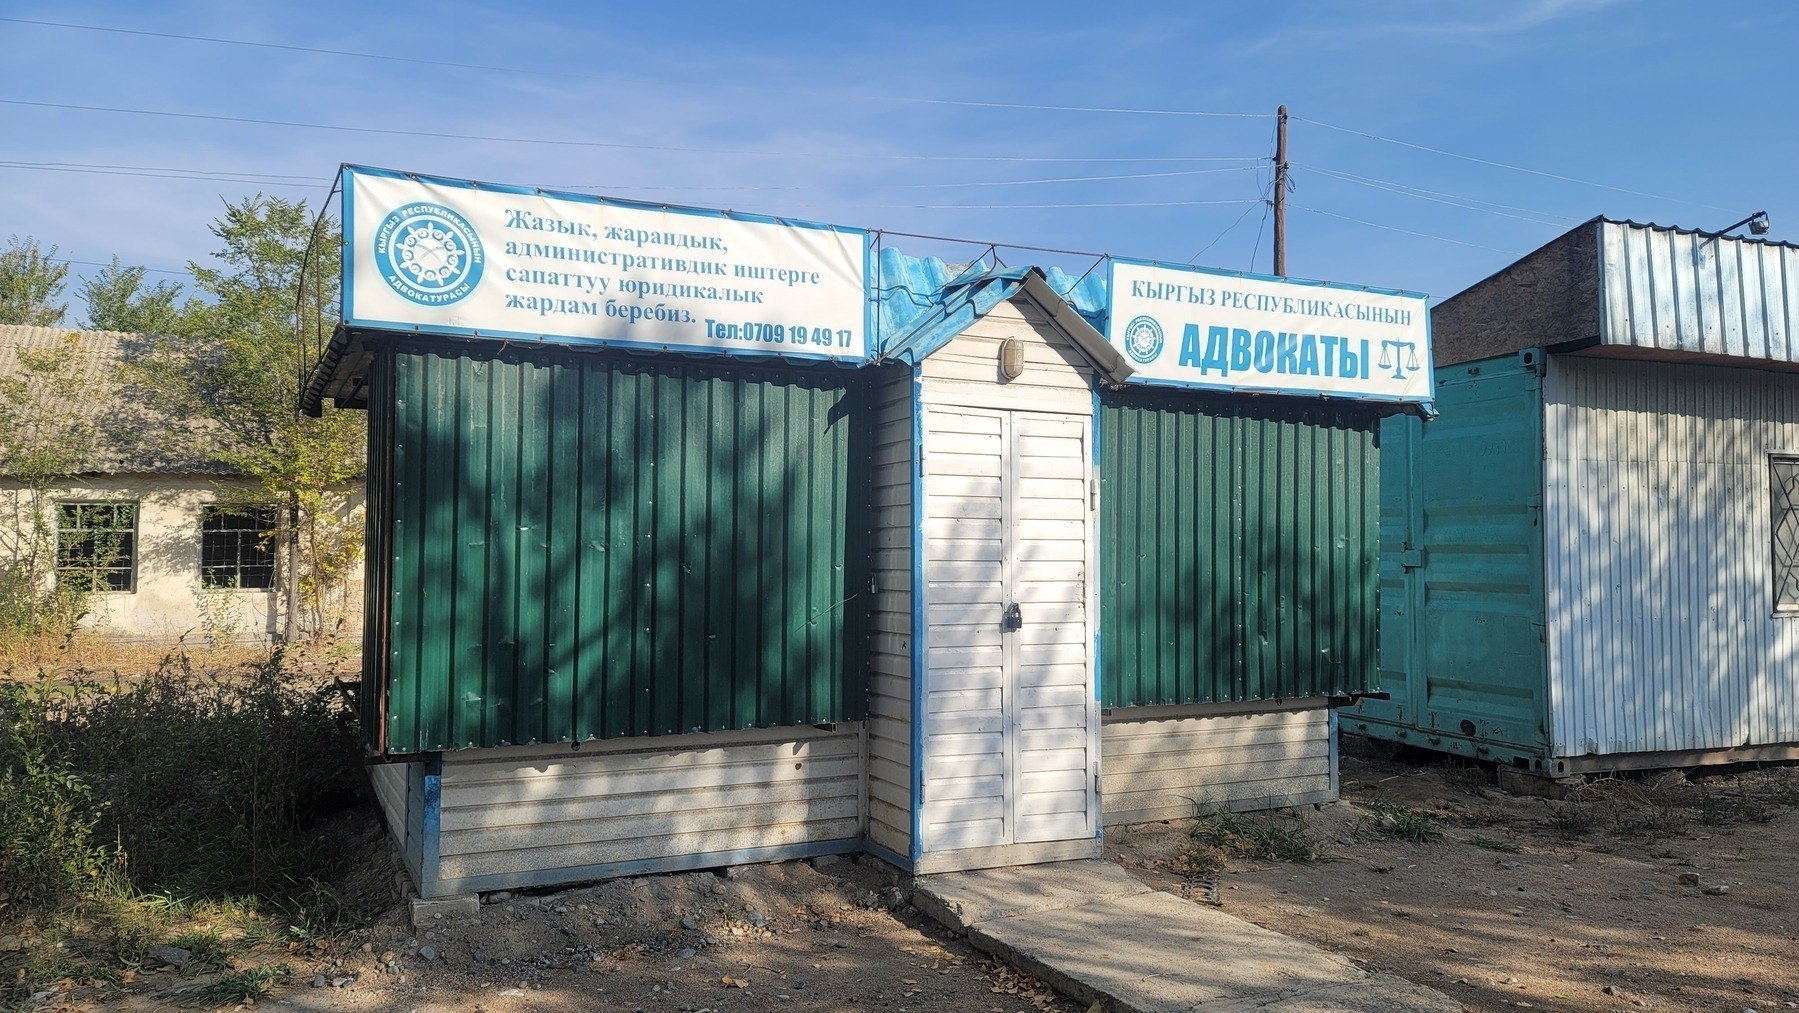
591	547
1662	630
1239	550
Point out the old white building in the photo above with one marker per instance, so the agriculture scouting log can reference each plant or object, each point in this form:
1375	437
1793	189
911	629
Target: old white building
175	547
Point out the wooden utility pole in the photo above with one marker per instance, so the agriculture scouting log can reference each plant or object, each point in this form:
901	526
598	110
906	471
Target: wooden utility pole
1280	196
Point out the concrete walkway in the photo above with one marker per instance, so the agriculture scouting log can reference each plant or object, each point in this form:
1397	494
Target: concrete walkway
1095	933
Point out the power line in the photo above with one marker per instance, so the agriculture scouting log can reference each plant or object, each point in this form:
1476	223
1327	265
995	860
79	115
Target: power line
264	45
1504	165
90	263
1085	179
1083	204
192	177
1227	231
1409	232
1450	199
1093	109
215	40
161	168
257	121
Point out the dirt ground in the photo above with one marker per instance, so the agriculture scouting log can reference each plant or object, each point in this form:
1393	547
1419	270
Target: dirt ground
780	936
1577	904
1660	893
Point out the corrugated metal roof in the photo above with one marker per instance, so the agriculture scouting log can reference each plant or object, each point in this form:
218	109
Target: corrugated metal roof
1675	290
134	435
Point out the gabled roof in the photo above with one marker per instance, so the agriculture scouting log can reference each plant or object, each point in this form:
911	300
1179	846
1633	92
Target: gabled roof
924	305
134	436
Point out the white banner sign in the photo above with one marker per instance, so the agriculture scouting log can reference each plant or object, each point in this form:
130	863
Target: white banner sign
1183	326
451	257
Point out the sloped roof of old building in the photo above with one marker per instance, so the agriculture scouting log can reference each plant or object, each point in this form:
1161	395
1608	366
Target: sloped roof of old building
135	437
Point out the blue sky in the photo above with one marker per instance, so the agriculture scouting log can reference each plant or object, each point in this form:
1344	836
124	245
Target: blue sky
912	118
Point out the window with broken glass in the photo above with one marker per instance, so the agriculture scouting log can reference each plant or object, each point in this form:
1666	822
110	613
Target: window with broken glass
237	548
96	546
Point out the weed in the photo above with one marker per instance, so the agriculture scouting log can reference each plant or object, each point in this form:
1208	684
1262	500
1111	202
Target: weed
182	807
1403	822
1569	819
242	765
243	987
48	814
1494	844
321	912
206	951
1220	834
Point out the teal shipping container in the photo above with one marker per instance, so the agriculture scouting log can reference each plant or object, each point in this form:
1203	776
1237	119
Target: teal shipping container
1587	562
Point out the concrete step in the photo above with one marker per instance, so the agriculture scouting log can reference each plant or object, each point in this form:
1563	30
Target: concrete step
1097	935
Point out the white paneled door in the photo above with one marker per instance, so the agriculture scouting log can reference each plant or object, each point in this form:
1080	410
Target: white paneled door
1010	724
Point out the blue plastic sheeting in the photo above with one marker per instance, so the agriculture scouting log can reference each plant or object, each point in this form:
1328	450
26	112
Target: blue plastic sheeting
923	305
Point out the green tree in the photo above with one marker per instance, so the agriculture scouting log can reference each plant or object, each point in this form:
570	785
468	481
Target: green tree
43	442
235	365
118	301
30	282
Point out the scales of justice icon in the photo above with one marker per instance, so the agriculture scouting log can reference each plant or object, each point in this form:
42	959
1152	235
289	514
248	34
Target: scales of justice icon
1399	356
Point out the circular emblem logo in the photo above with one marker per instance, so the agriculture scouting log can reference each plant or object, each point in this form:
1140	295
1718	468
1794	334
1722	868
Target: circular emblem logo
1143	339
428	253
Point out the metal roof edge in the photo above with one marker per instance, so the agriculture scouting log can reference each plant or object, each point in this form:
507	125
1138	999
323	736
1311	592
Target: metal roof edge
1654	227
312	396
1086	337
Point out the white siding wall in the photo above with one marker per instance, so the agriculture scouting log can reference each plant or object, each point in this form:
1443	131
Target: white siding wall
973	740
890	664
389	780
1157	768
1056	378
1657	572
965	736
524	816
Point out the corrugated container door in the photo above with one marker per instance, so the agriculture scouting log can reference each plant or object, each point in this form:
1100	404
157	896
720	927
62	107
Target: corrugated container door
1463	570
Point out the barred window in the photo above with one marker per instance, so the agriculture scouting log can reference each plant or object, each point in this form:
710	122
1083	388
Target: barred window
96	546
237	548
1783	475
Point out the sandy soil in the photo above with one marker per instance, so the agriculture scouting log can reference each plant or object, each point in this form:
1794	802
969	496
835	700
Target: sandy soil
782	936
1589	913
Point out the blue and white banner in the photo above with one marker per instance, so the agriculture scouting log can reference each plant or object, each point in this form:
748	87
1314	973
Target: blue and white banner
451	257
1185	326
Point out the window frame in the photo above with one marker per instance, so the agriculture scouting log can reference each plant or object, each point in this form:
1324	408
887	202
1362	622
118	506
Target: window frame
264	523
128	546
1777	511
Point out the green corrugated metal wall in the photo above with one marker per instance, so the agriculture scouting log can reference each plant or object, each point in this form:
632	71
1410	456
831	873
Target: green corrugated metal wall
589	547
1238	549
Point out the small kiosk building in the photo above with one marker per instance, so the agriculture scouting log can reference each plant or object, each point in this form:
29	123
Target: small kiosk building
698	539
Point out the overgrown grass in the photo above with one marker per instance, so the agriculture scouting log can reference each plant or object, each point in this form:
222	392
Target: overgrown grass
243	986
1668	803
1220	834
183	807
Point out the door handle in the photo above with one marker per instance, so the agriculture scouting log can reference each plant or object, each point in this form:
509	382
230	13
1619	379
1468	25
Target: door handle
1014	618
